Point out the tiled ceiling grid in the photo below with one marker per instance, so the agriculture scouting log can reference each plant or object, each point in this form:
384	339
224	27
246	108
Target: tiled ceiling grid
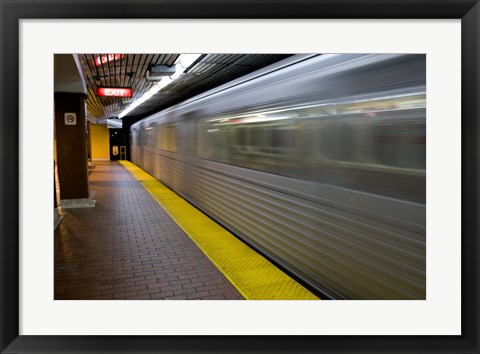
128	70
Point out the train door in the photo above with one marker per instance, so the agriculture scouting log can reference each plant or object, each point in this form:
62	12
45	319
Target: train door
186	148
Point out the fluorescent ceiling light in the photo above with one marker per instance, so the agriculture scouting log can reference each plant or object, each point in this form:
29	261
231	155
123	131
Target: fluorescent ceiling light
183	62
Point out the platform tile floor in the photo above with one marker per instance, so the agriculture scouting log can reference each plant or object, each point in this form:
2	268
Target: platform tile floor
128	248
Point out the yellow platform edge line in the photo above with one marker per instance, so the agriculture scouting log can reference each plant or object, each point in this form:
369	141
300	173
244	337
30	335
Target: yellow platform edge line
250	273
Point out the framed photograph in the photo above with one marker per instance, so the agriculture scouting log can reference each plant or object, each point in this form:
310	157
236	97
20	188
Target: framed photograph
445	33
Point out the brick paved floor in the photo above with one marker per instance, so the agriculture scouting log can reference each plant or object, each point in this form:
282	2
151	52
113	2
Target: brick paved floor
128	247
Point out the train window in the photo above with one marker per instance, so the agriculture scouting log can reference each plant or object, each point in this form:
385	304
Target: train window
259	138
401	145
283	138
213	141
337	142
167	138
266	139
241	137
219	144
384	157
149	136
144	137
202	140
243	141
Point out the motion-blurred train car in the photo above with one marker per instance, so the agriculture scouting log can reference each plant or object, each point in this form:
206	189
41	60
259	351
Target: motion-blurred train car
317	161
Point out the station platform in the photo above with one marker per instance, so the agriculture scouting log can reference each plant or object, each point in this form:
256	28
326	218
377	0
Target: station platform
142	241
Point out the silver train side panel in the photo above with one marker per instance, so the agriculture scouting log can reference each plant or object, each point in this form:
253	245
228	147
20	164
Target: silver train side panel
347	244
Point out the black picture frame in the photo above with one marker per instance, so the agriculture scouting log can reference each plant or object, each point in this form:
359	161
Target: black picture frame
12	11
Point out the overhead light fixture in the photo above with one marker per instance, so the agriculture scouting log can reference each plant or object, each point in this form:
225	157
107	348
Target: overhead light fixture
114	123
184	62
156	72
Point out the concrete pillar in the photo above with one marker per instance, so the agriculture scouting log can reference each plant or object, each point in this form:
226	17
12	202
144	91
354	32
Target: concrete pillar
89	142
72	161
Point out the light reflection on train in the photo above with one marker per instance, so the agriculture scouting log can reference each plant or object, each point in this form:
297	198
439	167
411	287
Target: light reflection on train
317	161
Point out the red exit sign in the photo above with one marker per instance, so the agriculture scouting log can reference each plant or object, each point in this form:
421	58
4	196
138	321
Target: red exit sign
114	91
103	59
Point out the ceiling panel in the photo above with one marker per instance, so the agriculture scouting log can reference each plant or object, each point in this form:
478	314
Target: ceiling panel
128	70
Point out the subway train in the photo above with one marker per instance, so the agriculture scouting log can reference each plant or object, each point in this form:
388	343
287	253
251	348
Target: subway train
317	161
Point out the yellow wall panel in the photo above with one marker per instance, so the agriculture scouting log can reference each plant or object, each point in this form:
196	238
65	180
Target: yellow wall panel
100	141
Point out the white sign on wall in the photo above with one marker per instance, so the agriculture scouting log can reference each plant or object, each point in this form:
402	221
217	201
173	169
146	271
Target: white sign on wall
70	118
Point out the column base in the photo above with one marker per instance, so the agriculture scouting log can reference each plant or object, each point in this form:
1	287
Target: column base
57	218
78	203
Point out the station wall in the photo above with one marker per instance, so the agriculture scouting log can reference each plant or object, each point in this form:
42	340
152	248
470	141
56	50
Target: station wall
100	142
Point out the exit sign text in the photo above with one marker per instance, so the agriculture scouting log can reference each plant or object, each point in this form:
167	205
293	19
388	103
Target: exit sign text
114	91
